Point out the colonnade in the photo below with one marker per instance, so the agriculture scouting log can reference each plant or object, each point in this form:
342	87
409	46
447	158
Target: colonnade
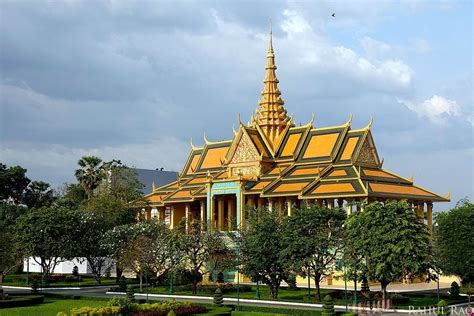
223	215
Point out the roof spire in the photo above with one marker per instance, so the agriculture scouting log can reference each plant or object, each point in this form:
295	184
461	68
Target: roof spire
271	116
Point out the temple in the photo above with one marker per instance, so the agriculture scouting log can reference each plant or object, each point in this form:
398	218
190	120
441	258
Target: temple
270	162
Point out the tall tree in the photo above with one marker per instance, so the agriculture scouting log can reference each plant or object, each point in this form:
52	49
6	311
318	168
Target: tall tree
10	256
92	245
393	242
200	246
13	182
454	237
89	174
262	256
39	194
50	235
315	240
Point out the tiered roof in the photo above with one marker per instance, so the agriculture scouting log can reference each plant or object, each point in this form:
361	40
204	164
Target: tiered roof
272	158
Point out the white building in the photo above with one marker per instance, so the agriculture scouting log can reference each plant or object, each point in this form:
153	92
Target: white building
65	267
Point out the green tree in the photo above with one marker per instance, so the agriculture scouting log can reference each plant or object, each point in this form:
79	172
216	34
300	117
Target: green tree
92	246
89	173
315	240
39	194
454	237
10	256
262	256
392	241
199	247
49	235
13	183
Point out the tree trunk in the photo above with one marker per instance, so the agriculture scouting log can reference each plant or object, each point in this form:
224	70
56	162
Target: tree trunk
384	285
2	277
317	281
118	273
272	292
195	283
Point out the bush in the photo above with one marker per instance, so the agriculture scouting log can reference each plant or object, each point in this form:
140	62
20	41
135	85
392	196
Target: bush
75	271
122	284
328	306
34	286
350	314
454	291
291	281
124	304
441	308
130	293
399	299
171	313
165	307
93	311
19	301
220	277
218	298
70	278
61	314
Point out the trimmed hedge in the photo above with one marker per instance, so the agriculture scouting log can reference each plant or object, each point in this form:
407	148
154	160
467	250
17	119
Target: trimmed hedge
92	311
212	287
21	301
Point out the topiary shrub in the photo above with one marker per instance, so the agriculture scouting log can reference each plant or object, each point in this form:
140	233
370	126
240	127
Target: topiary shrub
454	291
130	293
441	309
220	277
75	272
291	281
61	314
218	298
124	304
328	306
122	284
34	286
171	313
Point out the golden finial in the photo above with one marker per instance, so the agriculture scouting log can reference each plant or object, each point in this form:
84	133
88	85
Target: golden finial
381	163
239	120
233	129
350	120
412	178
192	145
448	196
205	139
370	122
153	186
312	120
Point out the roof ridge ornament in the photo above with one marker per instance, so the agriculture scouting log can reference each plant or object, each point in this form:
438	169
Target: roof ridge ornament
193	147
271	116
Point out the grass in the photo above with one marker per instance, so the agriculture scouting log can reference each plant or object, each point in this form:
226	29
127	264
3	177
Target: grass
20	280
51	306
257	310
301	296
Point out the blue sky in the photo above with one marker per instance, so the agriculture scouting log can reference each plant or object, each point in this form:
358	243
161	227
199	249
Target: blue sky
135	80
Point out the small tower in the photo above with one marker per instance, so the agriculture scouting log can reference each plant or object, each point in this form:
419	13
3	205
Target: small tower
271	116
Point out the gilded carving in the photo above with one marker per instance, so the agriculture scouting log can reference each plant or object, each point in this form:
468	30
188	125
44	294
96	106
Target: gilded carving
245	151
367	155
245	161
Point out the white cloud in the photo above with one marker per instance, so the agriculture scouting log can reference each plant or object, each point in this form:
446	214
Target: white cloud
436	109
373	47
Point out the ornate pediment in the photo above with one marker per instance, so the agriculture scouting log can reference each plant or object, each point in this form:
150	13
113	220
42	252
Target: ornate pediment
368	154
246	159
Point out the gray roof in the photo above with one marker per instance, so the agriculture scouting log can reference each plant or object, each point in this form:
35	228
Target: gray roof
159	177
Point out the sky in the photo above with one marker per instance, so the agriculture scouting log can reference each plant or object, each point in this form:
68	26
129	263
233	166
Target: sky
136	80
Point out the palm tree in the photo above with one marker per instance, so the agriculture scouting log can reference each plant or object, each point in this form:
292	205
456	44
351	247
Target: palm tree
89	174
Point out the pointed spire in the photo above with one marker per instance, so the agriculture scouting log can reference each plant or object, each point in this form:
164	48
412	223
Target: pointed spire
271	116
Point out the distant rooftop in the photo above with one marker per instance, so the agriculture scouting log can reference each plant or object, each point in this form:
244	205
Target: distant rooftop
158	176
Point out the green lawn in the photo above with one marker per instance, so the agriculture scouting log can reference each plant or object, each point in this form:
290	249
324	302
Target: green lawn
50	307
20	280
301	295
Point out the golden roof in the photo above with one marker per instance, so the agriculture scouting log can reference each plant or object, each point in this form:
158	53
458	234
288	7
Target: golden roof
272	157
